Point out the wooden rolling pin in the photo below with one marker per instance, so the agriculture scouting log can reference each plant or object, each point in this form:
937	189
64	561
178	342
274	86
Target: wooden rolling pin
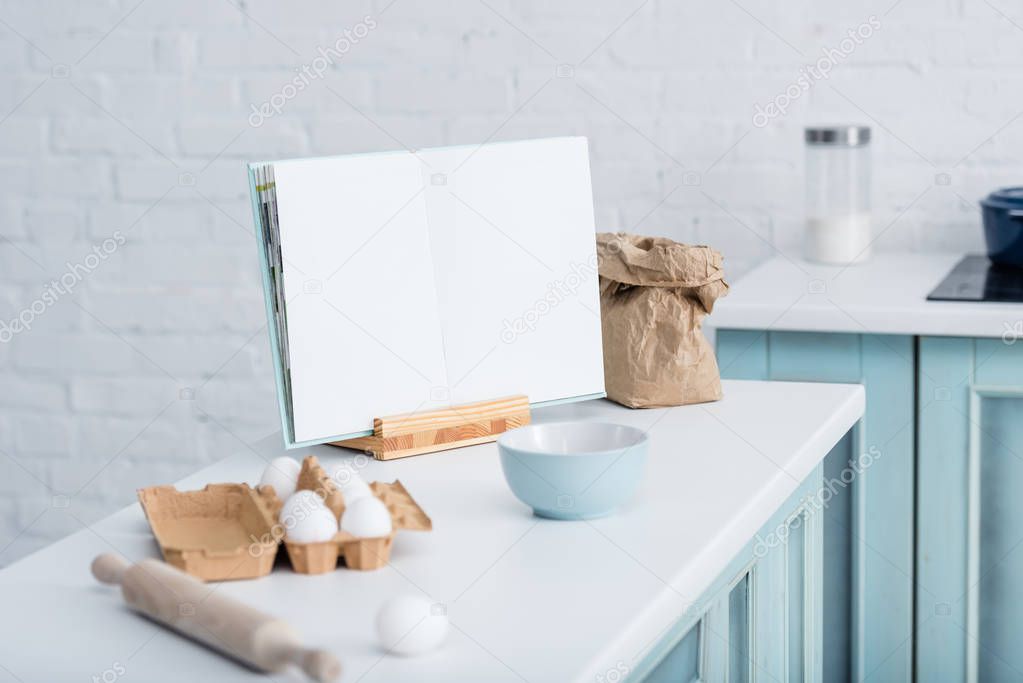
175	599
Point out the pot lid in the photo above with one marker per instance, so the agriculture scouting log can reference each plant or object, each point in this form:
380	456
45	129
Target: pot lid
1011	197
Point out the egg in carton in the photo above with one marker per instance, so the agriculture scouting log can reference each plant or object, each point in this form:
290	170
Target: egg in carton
358	553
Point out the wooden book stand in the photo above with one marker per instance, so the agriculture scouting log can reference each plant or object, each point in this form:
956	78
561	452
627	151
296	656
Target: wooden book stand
399	436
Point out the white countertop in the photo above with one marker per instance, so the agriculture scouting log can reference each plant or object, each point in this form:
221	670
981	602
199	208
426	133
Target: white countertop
528	598
886	295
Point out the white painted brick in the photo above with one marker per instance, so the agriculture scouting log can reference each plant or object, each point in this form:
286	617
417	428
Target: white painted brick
603	16
13	226
624	184
48	23
224	181
14	53
335	16
276	138
180	310
390	44
560	42
33	394
777	189
135	440
167	221
103	135
238	49
202	357
161	464
193	14
981	12
713	94
28	305
177	51
94	53
748	240
20	137
119	396
351	133
19	262
176	264
38	433
43	95
334	94
479	46
147	180
692	44
462	13
53	225
63	354
253	401
233	224
153	96
82	180
467	130
442	92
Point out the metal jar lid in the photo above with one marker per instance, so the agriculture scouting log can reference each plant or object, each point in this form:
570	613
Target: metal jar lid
839	136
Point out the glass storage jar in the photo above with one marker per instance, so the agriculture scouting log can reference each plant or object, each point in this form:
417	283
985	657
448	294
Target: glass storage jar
838	228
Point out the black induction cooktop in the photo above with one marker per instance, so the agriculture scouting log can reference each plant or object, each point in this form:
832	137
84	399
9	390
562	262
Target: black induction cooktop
975	278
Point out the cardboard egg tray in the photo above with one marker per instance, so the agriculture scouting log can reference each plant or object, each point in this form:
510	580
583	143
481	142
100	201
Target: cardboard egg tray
357	553
224	531
232	531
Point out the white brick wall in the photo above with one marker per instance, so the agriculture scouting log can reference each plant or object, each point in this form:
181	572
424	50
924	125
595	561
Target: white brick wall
120	116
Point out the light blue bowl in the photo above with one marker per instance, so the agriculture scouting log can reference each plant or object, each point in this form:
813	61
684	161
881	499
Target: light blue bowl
573	470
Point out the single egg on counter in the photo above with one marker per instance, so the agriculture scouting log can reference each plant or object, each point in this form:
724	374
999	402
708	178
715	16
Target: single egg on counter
317	526
282	475
352	486
411	625
367	517
299	506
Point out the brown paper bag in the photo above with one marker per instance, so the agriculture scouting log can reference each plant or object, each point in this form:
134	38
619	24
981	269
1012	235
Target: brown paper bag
654	294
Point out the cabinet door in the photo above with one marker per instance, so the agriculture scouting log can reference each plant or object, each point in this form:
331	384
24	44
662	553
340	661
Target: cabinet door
970	511
762	619
868	522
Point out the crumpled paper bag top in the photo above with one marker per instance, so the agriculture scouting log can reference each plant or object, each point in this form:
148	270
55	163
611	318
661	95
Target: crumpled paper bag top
660	262
654	294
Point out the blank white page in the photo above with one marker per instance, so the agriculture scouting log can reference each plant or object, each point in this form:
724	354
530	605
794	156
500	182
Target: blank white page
514	248
363	321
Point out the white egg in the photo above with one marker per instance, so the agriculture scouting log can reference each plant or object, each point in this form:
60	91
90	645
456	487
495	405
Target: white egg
352	486
366	518
411	625
282	475
317	526
300	505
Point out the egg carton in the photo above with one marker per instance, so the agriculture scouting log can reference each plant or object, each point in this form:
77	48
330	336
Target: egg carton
357	553
221	532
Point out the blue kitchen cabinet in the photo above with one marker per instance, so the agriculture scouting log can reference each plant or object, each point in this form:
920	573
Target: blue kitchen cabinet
762	618
868	518
969	607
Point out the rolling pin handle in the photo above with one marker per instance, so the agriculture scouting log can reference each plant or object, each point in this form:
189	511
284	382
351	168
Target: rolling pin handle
109	568
319	665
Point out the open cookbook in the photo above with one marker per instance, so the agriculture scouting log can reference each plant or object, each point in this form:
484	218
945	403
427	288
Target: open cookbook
402	282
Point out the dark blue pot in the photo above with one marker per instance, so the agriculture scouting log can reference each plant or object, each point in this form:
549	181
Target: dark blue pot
1003	226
